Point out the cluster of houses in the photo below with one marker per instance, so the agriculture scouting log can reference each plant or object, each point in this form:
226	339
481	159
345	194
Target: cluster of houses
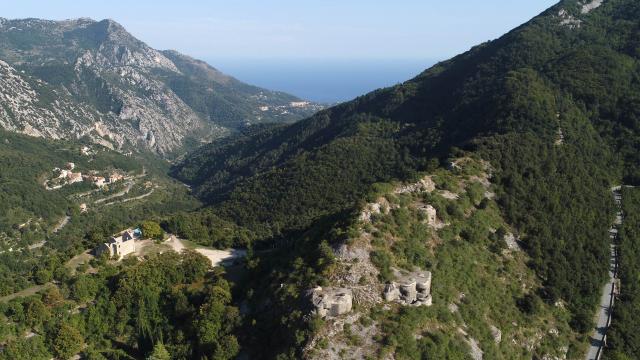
68	174
120	245
284	109
73	177
299	104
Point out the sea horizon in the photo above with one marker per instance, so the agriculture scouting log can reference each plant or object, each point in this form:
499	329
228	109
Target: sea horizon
326	81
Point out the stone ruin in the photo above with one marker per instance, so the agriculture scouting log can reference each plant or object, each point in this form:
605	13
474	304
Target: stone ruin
331	302
410	289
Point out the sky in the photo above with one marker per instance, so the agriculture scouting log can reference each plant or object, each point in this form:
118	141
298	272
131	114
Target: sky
299	29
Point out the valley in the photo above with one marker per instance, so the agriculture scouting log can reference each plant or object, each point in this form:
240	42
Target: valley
152	207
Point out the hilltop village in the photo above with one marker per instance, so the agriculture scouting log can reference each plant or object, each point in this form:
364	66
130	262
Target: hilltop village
67	176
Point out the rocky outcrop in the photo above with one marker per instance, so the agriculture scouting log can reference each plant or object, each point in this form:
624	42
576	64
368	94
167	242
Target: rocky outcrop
382	206
426	184
431	216
589	6
573	21
331	302
568	20
512	242
496	334
23	111
410	289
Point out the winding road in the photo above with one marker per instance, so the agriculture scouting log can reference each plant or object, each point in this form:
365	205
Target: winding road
598	336
122	193
61	224
133	198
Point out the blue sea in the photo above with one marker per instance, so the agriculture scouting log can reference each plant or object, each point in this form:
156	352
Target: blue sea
324	81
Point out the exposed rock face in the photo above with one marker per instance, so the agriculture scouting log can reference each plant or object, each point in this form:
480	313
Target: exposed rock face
410	289
590	6
424	185
22	111
76	78
475	352
432	215
369	211
382	206
331	302
512	242
496	334
573	21
162	120
568	20
101	88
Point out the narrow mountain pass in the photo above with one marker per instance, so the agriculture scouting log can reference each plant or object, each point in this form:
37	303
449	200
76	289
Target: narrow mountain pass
605	309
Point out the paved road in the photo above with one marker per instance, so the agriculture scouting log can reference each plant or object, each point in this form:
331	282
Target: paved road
124	192
57	228
132	199
606	300
24	293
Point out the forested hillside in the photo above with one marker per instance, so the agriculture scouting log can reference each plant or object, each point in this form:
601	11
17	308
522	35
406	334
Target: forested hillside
549	105
624	337
24	164
42	227
491	171
152	309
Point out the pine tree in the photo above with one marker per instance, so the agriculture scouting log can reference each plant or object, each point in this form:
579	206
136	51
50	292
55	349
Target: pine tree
159	353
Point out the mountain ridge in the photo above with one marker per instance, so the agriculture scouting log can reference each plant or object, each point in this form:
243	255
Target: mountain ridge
551	106
140	97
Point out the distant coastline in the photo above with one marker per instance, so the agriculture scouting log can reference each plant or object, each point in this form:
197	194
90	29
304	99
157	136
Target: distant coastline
325	81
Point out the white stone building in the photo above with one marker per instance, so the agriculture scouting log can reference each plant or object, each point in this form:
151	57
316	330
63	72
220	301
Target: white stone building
120	246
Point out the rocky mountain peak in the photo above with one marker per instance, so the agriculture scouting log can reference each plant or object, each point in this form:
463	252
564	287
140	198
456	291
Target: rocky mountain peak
99	81
114	32
116	47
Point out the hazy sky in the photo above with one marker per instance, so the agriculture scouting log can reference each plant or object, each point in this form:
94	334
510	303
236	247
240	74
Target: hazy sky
344	29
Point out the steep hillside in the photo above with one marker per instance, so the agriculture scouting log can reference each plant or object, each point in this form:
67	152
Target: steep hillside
59	198
26	164
539	79
229	102
86	78
551	106
481	299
